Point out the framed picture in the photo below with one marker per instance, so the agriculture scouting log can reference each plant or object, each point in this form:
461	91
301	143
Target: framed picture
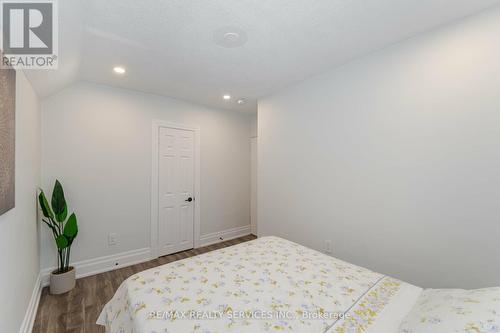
7	139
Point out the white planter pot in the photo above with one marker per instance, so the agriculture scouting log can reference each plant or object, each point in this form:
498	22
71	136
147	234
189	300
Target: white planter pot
63	282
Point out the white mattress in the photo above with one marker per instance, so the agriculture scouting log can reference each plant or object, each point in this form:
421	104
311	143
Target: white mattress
266	285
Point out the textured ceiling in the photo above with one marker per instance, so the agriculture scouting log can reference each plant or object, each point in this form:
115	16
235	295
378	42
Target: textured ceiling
167	46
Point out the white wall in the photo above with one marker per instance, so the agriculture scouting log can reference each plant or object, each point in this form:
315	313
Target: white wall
18	228
395	158
97	141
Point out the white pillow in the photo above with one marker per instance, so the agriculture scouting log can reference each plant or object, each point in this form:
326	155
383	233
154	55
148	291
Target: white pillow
454	311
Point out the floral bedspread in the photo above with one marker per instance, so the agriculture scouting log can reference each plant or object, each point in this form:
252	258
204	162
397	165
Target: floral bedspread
265	285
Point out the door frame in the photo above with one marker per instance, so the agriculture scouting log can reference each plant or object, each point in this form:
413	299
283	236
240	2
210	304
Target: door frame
254	223
154	240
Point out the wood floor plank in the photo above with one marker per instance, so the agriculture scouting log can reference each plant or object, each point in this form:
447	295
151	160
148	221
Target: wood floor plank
77	310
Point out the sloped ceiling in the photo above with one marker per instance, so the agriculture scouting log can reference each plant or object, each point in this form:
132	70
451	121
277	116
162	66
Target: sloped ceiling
168	48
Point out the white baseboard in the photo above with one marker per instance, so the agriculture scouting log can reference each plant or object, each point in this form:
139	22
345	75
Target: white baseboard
29	317
103	264
217	237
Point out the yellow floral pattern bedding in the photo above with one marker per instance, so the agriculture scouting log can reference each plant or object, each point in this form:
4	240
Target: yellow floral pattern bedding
266	285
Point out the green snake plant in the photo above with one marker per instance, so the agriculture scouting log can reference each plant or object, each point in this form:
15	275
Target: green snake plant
64	228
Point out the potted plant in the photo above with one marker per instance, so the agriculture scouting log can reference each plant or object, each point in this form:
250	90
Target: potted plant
64	229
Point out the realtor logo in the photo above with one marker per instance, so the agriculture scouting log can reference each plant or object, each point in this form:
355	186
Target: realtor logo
29	34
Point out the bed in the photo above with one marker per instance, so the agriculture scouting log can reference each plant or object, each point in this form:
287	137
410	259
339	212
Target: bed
265	285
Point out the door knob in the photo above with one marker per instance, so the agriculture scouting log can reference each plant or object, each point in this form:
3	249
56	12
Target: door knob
189	199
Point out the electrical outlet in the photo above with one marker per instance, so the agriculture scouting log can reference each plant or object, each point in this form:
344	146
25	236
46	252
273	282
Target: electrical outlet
328	247
112	239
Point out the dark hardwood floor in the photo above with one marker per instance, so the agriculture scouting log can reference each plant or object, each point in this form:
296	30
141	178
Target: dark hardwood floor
77	310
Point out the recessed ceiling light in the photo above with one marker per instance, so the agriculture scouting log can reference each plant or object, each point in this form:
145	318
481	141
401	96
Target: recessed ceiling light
226	97
241	101
119	70
230	37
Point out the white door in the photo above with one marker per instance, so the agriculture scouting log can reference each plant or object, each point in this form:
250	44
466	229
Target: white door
253	185
176	188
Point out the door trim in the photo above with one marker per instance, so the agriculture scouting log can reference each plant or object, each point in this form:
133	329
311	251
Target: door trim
254	223
157	124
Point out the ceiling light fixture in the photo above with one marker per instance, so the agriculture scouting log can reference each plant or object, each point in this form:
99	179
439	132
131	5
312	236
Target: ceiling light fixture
226	97
230	37
241	101
119	70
